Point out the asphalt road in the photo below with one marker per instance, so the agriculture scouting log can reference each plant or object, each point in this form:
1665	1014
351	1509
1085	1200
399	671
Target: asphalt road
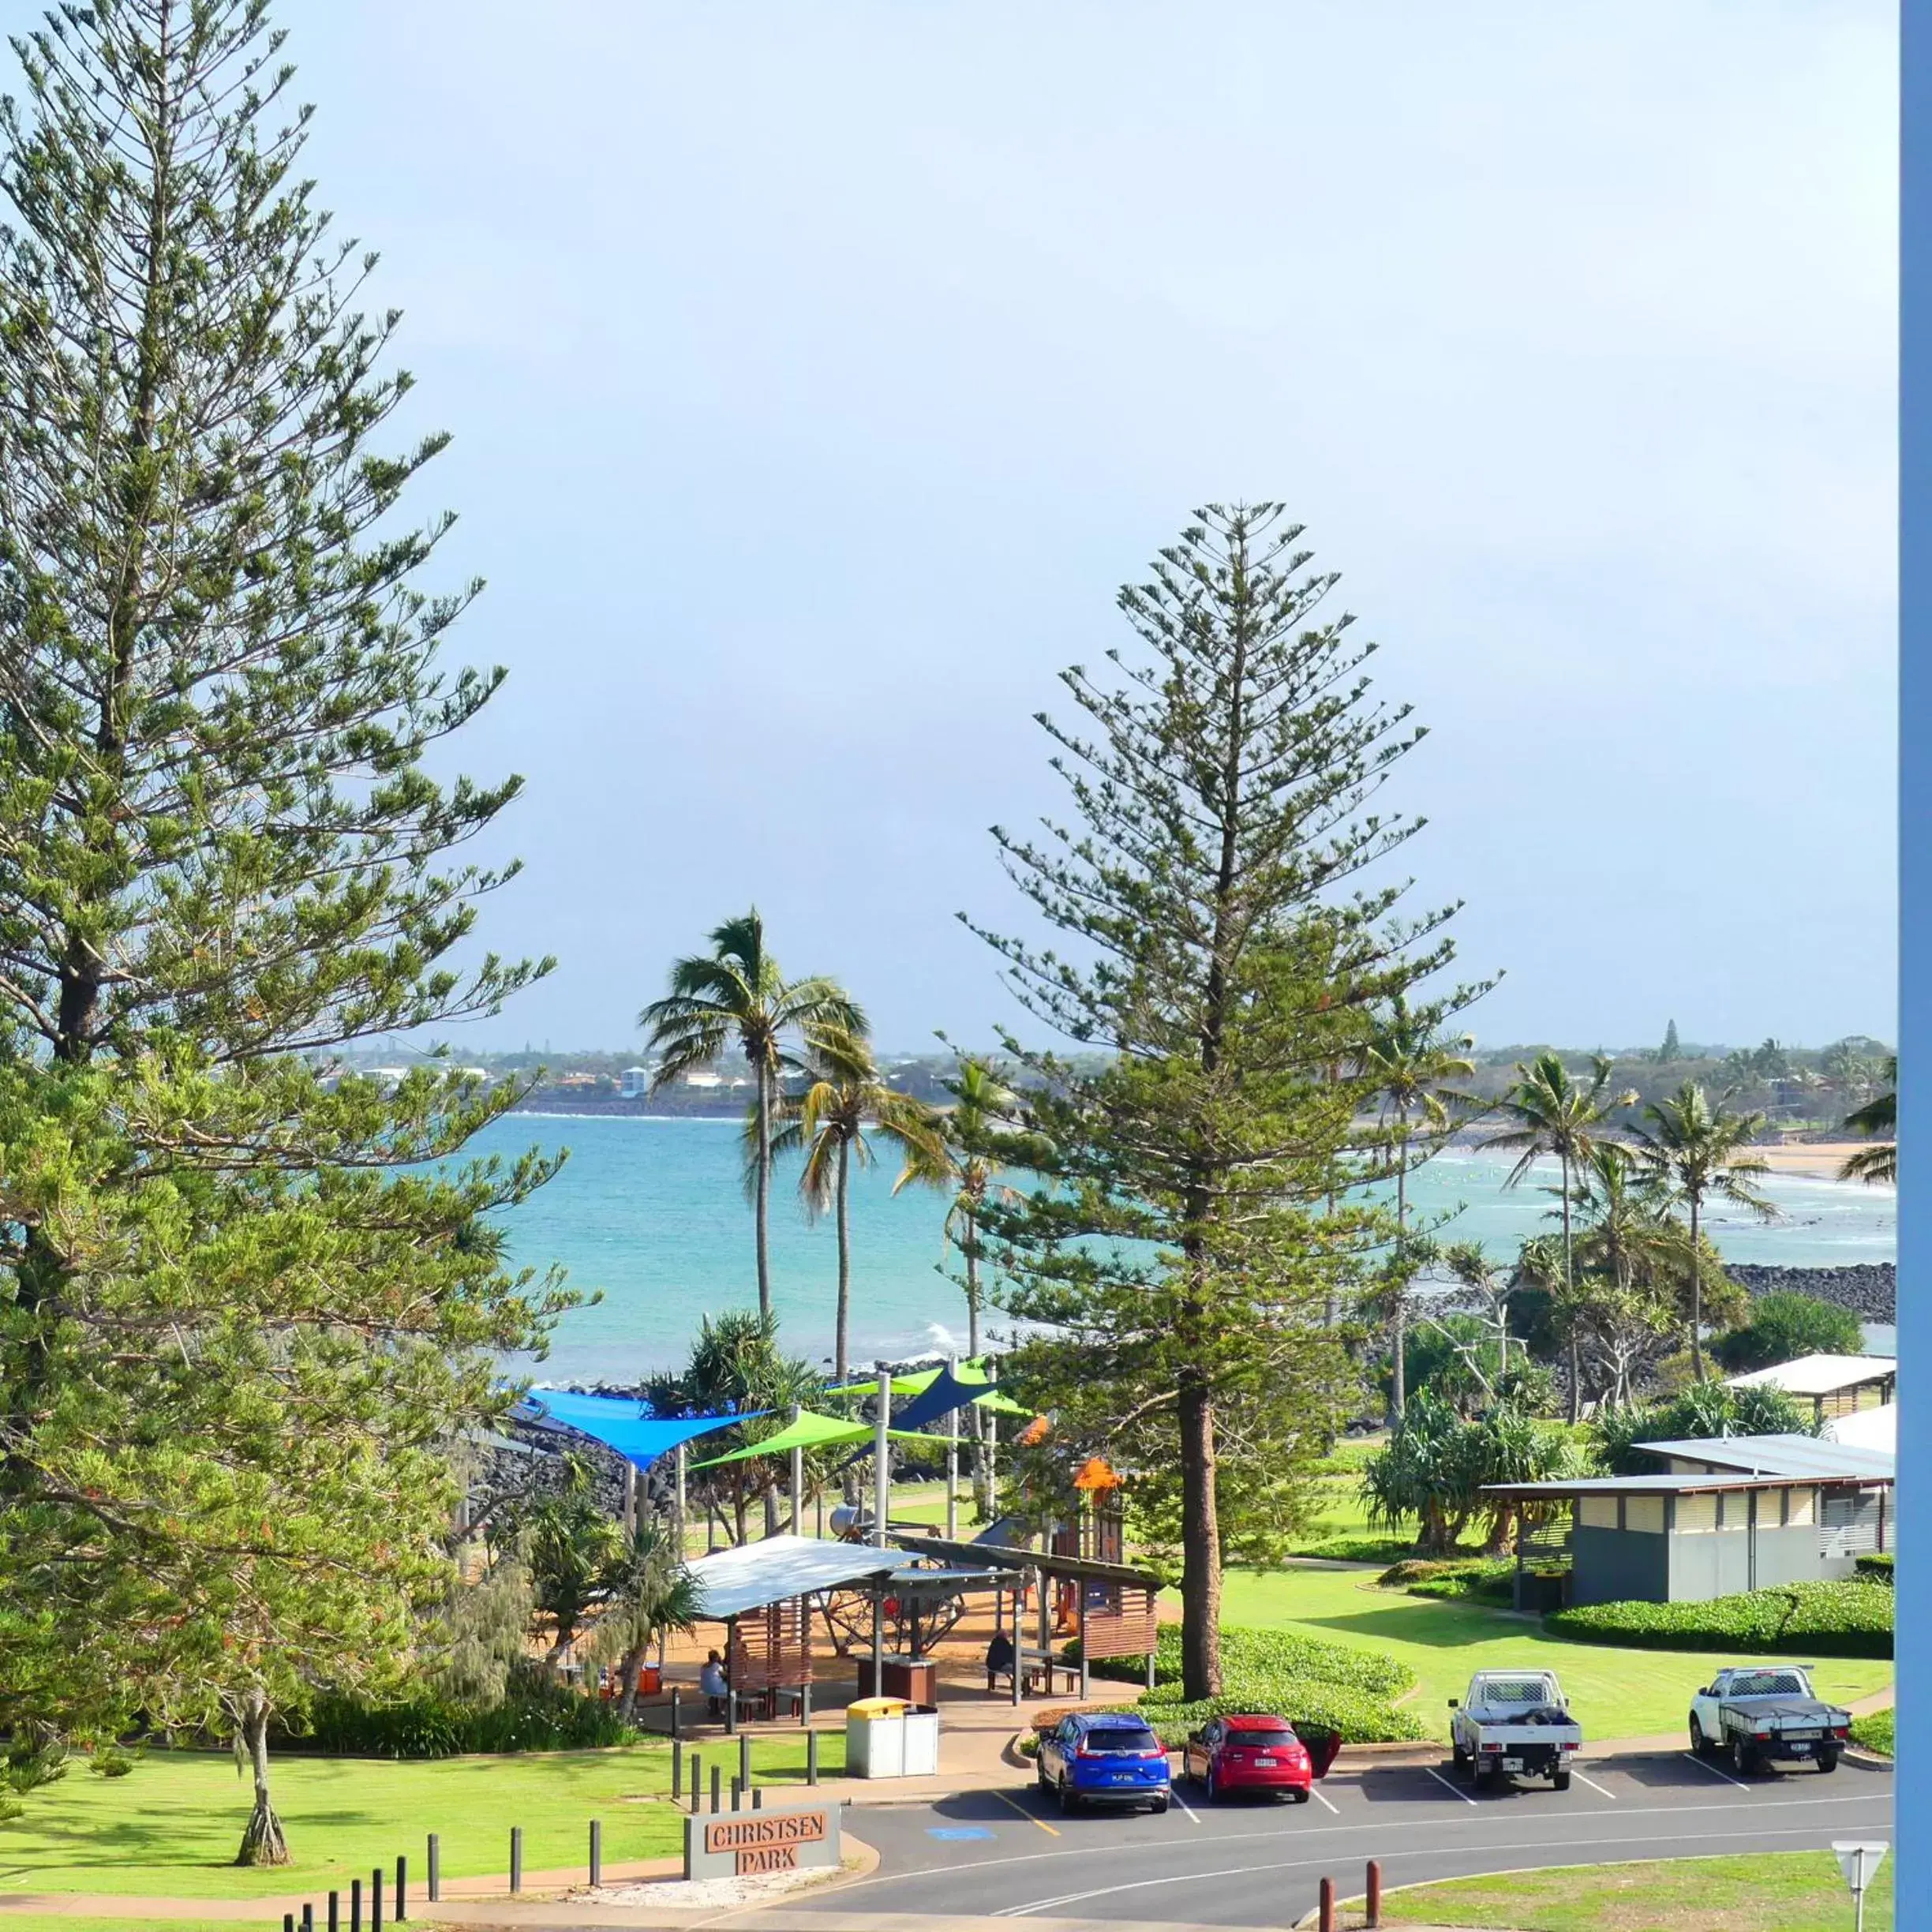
1248	1862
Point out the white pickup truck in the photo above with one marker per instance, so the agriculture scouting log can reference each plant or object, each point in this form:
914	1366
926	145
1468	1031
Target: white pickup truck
1512	1721
1764	1713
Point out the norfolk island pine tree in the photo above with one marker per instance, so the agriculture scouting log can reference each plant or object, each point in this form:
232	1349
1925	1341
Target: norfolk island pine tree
244	1313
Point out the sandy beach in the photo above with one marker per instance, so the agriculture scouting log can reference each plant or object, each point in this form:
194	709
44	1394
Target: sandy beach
1816	1160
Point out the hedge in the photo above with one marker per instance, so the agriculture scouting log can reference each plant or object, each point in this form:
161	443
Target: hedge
1328	1685
1487	1579
1875	1733
1875	1566
433	1727
1851	1619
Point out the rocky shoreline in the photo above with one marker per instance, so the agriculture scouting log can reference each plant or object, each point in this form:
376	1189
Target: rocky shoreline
1870	1289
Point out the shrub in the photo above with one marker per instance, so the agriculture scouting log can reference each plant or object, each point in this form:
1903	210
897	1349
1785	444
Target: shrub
111	1761
1251	1655
1783	1327
1875	1566
1488	1579
1875	1732
532	1715
1851	1619
1357	1718
1705	1408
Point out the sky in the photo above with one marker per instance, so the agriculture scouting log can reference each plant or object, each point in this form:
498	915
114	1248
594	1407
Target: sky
817	374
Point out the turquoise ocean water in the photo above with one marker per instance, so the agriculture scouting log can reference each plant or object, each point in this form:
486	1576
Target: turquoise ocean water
651	1212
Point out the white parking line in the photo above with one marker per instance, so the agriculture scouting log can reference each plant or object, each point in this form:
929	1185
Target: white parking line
1186	1806
1447	1786
1712	1770
1335	1808
1591	1783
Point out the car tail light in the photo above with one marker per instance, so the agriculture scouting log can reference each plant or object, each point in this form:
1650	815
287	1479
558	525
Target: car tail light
1148	1757
1761	1734
1573	1746
1490	1747
1840	1731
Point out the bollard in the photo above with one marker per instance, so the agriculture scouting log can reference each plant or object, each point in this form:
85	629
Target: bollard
676	1713
697	1782
737	1795
308	1924
516	1858
1326	1921
435	1869
677	1764
717	1787
376	1900
811	1757
597	1852
744	1759
757	1797
805	1706
401	1904
1374	1899
288	1921
355	1905
335	1912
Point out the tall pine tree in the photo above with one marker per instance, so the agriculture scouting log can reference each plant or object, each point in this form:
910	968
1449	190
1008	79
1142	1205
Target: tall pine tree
1229	952
236	1332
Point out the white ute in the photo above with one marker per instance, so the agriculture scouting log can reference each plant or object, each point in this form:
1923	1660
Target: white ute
1513	1721
1767	1713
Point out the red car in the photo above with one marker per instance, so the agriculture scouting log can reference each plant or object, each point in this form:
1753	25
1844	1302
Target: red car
1257	1754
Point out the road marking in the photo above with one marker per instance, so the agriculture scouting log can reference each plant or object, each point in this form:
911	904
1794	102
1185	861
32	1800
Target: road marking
1052	1831
1186	1806
1335	1808
1591	1783
1379	1826
1712	1770
1447	1786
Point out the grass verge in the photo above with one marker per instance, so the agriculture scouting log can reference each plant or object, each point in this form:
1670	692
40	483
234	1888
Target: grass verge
1874	1733
1775	1891
1615	1692
171	1826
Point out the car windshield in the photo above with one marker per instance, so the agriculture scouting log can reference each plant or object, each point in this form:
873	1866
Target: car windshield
1766	1684
1123	1738
1261	1740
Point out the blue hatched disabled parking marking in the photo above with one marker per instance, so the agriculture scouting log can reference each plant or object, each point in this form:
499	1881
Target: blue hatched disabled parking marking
957	1831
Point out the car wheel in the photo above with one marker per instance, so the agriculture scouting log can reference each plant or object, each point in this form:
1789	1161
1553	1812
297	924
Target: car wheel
1210	1790
1743	1759
1699	1746
1160	1805
1069	1802
1460	1756
1828	1760
1560	1779
1040	1776
1300	1797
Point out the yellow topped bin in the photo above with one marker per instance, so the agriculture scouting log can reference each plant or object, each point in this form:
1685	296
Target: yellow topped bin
875	1737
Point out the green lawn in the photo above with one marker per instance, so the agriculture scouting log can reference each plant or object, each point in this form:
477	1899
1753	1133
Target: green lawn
1616	1693
1774	1892
171	1826
1875	1732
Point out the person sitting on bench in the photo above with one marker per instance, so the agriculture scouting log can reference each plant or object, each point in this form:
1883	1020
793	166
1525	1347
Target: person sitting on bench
999	1659
715	1685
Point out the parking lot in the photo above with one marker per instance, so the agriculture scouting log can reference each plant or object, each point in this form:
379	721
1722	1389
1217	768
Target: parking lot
1257	1862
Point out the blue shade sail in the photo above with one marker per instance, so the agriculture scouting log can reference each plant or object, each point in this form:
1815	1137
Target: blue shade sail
619	1423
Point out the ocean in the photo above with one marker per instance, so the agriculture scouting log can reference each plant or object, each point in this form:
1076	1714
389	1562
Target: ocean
651	1211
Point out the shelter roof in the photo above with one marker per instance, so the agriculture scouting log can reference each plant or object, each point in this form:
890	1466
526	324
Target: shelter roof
1807	1456
1007	1557
755	1575
1866	1428
1821	1375
1642	1485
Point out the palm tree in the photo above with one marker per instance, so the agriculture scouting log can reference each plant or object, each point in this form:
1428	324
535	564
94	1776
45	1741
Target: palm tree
1876	1165
1554	1115
653	1595
736	992
845	1109
1630	1248
1406	1062
1702	1149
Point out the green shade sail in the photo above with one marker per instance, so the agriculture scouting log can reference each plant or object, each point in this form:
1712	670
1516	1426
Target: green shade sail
916	1383
809	1431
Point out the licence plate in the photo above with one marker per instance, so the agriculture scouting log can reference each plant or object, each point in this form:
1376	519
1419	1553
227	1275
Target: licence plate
1265	1764
1804	1733
1512	1764
1801	1750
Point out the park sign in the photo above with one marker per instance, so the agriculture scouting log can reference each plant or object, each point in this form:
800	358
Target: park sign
743	1844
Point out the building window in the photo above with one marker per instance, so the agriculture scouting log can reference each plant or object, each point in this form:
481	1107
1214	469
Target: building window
1596	1512
1696	1514
1644	1513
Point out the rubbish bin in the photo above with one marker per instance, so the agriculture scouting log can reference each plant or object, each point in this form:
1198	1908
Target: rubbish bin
921	1741
875	1730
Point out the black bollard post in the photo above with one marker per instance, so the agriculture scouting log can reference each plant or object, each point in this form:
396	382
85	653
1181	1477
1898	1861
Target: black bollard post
597	1852
436	1868
355	1905
757	1797
811	1757
288	1921
376	1900
307	1917
401	1904
335	1912
677	1764
516	1858
697	1782
676	1712
737	1795
717	1787
744	1759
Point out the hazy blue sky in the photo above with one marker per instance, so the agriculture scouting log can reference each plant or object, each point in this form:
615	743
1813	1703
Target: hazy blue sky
817	372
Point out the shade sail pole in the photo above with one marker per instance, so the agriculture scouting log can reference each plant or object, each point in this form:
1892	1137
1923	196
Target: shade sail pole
677	1502
882	1454
798	1479
951	1369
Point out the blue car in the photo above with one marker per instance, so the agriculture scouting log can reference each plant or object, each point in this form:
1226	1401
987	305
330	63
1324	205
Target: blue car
1103	1757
